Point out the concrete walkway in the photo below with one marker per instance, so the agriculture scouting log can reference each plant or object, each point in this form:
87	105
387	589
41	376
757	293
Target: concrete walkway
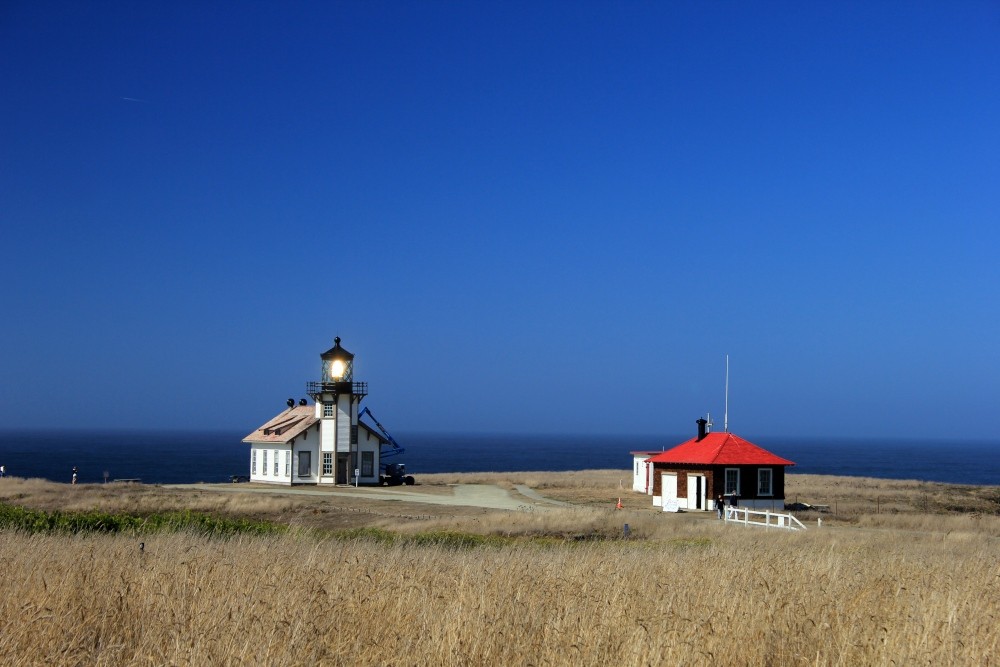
529	492
468	495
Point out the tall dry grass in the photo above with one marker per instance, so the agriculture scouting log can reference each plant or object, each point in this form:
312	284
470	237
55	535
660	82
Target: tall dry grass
705	595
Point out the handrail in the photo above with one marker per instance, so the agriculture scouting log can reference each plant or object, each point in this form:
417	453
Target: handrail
781	521
356	388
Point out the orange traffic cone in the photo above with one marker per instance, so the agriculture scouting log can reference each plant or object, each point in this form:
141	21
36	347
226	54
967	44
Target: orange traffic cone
618	506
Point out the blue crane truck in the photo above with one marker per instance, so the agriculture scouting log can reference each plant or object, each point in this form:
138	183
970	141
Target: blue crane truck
390	474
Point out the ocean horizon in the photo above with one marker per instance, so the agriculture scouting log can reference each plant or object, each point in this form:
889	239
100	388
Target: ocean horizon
177	457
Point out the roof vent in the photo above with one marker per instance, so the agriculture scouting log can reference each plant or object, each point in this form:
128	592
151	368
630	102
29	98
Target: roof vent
702	423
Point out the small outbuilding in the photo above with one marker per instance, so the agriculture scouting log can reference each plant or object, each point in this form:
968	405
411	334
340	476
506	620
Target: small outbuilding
642	470
692	475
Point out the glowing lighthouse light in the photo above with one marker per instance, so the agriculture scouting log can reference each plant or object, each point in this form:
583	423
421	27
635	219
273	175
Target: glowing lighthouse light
337	368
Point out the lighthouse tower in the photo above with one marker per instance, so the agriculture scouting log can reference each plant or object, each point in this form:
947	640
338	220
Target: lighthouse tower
320	443
337	397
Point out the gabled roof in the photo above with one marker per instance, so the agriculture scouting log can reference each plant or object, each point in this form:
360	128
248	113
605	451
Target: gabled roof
381	438
292	423
720	449
287	425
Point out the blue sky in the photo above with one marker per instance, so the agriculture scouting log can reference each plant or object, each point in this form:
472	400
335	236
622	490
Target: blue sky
520	216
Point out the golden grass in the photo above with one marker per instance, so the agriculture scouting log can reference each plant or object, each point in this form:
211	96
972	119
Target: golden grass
864	502
702	595
901	573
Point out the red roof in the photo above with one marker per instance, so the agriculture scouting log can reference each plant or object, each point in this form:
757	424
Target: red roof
720	449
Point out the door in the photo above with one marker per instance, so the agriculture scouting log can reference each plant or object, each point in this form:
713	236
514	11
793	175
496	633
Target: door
342	469
669	489
696	492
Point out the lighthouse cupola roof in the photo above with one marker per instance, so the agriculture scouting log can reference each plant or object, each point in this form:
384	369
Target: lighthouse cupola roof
337	352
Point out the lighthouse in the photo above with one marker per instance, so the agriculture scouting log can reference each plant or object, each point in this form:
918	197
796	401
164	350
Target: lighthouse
337	400
321	443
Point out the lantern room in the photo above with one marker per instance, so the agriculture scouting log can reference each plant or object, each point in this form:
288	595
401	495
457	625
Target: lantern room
338	364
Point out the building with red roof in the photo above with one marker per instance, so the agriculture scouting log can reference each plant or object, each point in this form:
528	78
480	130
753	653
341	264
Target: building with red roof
692	475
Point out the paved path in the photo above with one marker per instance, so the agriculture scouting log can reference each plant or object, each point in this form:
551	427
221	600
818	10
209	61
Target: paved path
529	492
470	495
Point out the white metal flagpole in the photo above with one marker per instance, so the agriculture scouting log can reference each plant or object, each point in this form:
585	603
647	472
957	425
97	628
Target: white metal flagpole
725	419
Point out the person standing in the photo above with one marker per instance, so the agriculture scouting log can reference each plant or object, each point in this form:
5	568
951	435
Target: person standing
74	474
3	471
720	504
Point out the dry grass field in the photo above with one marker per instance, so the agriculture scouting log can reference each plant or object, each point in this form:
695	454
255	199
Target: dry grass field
902	573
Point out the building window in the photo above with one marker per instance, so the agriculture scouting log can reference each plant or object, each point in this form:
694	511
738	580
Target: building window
354	434
328	409
288	464
263	469
253	461
764	482
276	463
367	463
327	463
305	464
732	481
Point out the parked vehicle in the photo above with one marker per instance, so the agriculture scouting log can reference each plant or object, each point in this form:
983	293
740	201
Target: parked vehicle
392	474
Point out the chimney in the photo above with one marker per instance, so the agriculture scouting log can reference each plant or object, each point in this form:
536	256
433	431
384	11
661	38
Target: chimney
701	429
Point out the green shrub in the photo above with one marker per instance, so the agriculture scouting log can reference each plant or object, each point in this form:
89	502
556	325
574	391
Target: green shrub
38	521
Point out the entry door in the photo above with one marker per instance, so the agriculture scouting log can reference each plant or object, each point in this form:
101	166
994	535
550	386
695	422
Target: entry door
696	492
668	485
342	469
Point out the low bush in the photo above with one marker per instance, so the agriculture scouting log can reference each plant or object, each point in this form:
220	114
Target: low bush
39	521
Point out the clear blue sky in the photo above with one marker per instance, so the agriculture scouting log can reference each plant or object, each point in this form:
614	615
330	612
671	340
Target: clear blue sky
520	216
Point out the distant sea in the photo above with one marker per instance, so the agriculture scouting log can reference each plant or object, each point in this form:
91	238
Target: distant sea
183	457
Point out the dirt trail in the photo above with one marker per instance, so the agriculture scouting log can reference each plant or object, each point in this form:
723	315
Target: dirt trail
468	495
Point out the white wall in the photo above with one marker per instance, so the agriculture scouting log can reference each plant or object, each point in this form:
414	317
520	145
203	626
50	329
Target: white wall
776	504
312	447
267	475
343	425
368	443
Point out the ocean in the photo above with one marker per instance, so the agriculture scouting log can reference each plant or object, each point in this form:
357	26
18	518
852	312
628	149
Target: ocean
162	457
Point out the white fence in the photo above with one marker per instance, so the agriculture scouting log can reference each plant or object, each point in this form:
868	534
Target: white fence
765	519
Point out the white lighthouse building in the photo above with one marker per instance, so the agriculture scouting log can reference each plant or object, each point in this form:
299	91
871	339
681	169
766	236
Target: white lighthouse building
323	442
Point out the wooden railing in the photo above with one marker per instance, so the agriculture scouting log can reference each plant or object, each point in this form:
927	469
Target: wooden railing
765	519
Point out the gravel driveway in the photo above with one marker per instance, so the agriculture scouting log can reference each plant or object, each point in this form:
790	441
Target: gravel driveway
468	495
